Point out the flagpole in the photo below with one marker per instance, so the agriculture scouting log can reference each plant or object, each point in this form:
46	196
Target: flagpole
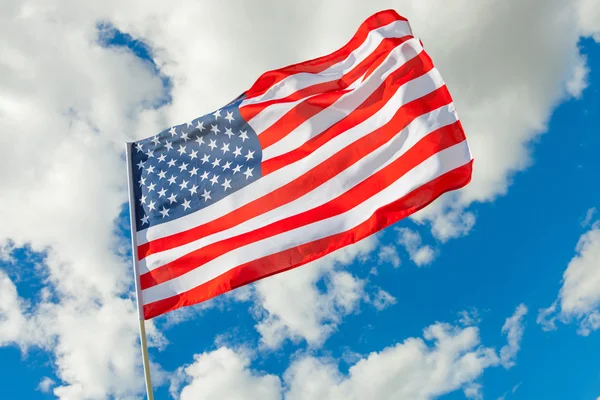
138	293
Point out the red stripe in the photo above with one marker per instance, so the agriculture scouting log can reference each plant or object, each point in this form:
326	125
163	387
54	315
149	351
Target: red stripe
376	57
297	256
413	69
307	182
428	146
270	78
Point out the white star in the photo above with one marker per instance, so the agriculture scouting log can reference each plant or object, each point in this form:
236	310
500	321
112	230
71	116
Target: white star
143	200
214	179
171	163
216	162
250	155
229	116
188	124
226	185
161	158
172	131
227	165
156	140
205	159
150	153
194	171
214	129
193	189
150	169
212	144
171	180
217	114
162	174
181	150
172	198
194	154
140	165
183	184
169	146
225	147
144	219
184	136
139	147
142	181
162	192
151	205
228	132
200	126
204	175
151	187
243	136
206	195
248	172
237	151
237	168
199	140
183	167
164	212
186	204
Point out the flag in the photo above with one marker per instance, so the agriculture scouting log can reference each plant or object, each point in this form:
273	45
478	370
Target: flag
313	157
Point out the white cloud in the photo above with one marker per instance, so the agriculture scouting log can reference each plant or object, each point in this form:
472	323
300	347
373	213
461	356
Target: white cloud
389	254
589	217
579	79
445	359
67	105
589	18
224	374
412	242
579	296
46	385
15	328
382	299
95	345
513	328
473	391
290	305
469	317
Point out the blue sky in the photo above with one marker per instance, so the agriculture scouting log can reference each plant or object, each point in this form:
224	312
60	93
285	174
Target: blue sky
523	239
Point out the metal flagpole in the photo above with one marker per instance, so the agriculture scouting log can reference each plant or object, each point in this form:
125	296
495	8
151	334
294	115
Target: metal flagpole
138	293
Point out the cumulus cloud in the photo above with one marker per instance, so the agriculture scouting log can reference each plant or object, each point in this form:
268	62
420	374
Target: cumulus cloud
224	374
381	299
446	358
579	297
46	385
389	254
411	240
67	105
589	217
95	344
291	306
513	328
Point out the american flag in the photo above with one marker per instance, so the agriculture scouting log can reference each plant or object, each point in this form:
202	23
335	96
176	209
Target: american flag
313	157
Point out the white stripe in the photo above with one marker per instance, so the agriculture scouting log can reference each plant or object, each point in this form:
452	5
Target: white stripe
342	108
273	113
394	60
288	173
293	83
339	184
435	166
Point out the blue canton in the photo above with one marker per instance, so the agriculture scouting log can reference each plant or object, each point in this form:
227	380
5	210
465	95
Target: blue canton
191	166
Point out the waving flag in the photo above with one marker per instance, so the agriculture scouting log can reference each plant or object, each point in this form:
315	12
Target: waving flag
313	157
